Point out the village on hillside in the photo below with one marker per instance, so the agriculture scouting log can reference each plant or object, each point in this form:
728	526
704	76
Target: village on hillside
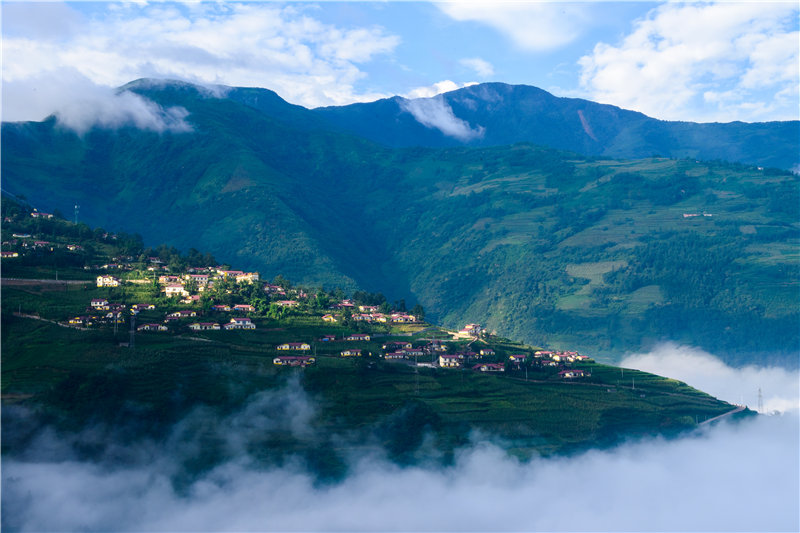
155	295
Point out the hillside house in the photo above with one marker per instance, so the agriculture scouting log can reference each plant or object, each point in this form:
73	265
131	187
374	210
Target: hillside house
486	352
518	358
328	338
107	281
293	360
183	313
221	308
99	303
225	274
489	367
39	214
329	318
240	323
351	352
247	277
204	326
152	327
114	316
394	356
449	361
9	254
395	345
301	346
413	352
469	331
357	337
402	318
288	303
200	279
175	289
436	346
274	289
165	280
571	373
82	321
137	308
244	308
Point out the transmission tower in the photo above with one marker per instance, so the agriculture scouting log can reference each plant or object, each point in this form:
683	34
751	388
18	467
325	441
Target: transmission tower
77	208
760	401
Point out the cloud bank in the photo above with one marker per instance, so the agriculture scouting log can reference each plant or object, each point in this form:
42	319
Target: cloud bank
702	62
436	113
245	44
728	477
780	387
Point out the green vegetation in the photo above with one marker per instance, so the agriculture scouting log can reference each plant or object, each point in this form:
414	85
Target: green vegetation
80	377
555	248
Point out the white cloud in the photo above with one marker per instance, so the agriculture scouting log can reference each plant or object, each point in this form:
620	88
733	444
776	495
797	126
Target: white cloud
533	26
245	44
729	477
707	61
79	104
482	68
440	87
435	113
780	387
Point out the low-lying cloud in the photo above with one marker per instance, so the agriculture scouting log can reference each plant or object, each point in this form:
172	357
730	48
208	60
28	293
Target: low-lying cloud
436	113
80	105
733	476
780	388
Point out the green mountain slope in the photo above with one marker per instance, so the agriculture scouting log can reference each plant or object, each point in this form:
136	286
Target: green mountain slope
508	114
551	247
187	388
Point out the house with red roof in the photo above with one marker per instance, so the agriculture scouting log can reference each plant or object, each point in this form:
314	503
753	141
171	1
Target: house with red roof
240	323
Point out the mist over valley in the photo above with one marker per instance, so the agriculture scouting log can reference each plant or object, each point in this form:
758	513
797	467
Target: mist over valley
400	266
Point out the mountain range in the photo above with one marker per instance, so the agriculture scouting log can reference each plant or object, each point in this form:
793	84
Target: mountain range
495	203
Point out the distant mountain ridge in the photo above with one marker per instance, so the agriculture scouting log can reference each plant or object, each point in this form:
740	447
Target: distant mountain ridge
546	245
509	114
497	114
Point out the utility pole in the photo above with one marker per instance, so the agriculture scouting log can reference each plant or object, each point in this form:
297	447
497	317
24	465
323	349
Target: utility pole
760	401
416	375
131	344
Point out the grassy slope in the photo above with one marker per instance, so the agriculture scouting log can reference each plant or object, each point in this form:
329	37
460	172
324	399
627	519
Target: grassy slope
81	377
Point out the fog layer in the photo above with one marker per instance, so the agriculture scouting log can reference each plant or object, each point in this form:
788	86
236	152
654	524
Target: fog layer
733	476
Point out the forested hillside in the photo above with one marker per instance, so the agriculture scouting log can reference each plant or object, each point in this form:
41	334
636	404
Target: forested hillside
552	247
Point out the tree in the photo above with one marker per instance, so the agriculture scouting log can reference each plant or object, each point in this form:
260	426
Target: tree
419	312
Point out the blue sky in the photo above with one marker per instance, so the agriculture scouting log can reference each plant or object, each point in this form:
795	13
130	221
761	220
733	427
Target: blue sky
707	61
